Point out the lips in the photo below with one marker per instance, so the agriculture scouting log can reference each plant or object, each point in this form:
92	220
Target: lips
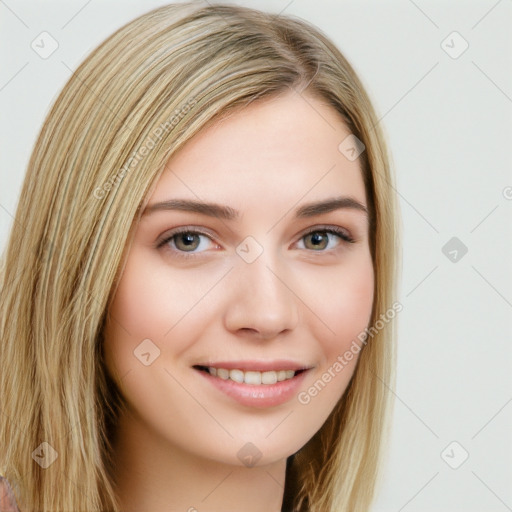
255	383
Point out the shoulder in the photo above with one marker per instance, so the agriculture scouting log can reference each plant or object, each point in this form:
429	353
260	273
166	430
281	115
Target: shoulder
7	499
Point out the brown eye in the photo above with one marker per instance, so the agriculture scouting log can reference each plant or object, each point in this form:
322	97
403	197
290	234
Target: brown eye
186	241
325	239
316	240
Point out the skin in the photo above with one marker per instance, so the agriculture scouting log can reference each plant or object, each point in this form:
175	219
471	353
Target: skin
177	447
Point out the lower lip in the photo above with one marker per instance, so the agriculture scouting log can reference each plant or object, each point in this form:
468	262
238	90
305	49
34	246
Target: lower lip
263	395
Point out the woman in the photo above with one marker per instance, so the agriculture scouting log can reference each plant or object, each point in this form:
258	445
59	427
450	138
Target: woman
197	293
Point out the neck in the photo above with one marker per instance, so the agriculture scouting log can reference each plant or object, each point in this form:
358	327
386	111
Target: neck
154	474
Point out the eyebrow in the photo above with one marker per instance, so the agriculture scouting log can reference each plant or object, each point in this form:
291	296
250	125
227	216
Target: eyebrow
228	213
225	212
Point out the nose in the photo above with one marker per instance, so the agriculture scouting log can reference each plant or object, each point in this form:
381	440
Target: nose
261	303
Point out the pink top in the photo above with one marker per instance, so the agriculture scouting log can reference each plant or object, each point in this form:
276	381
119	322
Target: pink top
7	499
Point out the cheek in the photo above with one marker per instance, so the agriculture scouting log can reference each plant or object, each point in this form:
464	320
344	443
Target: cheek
137	313
344	310
342	302
344	306
145	307
141	301
149	304
157	305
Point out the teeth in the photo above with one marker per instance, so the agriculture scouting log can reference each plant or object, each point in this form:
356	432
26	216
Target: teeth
269	377
236	375
281	375
252	378
221	372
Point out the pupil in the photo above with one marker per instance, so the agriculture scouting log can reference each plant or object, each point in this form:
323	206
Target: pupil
187	241
318	239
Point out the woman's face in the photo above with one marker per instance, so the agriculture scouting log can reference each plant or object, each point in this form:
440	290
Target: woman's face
234	275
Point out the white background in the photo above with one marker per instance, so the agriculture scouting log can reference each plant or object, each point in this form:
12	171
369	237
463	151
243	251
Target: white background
448	124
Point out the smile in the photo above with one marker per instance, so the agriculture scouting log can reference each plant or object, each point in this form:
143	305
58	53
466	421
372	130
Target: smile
257	385
252	378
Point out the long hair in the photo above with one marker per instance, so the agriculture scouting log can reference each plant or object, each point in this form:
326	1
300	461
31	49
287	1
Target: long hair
134	101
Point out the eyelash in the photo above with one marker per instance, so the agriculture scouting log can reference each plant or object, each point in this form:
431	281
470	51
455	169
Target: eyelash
334	230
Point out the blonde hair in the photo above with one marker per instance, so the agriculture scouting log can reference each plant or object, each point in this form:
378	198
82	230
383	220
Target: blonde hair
154	84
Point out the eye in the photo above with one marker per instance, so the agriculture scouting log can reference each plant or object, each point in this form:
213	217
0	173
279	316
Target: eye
318	239
186	240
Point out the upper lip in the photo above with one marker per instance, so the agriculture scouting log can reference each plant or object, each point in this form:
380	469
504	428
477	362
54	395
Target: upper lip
261	366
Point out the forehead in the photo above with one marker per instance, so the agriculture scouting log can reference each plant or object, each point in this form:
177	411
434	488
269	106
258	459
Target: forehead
274	152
